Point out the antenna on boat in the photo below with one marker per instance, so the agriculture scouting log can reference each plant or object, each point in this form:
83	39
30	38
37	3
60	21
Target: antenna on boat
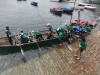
72	12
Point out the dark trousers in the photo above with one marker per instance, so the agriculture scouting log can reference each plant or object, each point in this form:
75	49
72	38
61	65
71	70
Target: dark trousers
10	40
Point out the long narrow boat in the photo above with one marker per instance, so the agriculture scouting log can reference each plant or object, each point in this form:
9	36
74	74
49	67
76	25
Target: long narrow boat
6	48
90	8
83	4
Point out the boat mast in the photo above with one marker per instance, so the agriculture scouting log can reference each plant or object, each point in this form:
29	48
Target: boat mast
72	12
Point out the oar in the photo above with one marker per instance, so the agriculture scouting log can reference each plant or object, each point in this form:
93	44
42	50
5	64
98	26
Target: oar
37	45
69	46
39	49
21	50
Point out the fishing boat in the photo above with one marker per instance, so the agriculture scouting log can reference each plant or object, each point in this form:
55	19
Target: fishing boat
90	8
57	11
83	4
34	3
67	10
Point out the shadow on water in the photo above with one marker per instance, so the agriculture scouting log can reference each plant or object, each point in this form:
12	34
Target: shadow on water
13	60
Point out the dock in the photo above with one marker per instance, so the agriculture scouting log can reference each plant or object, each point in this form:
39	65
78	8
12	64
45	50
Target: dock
58	60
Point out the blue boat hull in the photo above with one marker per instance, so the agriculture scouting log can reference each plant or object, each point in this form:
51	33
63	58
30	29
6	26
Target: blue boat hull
56	12
67	10
34	3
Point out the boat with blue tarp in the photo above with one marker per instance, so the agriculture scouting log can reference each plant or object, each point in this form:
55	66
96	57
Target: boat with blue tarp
67	10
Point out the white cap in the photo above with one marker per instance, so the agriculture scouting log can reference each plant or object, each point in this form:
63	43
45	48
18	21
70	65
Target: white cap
32	30
48	24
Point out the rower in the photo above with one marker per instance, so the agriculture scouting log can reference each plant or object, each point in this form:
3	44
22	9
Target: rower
24	37
49	27
59	29
17	39
50	32
38	35
62	37
9	35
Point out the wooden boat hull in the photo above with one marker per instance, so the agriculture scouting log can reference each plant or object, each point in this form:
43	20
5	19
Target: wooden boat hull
90	8
56	12
4	50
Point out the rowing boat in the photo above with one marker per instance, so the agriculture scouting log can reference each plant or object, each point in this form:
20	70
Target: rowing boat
57	11
6	48
83	4
90	8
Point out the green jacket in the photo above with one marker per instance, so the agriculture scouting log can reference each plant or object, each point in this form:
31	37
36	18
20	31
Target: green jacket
25	37
61	35
83	45
8	31
36	33
89	29
60	29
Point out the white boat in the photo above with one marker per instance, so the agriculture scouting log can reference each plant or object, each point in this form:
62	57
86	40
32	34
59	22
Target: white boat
90	8
83	4
79	8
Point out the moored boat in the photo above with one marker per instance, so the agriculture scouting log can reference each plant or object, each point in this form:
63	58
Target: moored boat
34	3
57	11
83	4
82	22
67	10
90	8
79	8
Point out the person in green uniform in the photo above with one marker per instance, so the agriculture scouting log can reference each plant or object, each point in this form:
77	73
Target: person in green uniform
59	29
38	35
24	37
89	29
82	47
62	37
8	33
49	27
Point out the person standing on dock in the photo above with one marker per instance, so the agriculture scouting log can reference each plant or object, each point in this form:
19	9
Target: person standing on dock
9	35
82	47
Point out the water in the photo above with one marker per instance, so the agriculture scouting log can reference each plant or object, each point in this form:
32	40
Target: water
21	14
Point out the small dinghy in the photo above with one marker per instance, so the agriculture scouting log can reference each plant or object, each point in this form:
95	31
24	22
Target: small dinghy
83	4
90	8
34	3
